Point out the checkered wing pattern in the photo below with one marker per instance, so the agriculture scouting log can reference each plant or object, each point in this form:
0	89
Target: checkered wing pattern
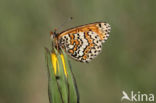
84	43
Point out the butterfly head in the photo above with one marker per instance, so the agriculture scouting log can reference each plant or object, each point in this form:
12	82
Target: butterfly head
53	36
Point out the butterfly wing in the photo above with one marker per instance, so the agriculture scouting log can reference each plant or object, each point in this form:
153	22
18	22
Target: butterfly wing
84	43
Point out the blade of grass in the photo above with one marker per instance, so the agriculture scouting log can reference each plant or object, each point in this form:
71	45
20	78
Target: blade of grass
73	90
61	82
53	90
63	85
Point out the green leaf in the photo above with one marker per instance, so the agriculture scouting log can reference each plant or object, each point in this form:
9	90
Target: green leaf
62	86
53	90
73	90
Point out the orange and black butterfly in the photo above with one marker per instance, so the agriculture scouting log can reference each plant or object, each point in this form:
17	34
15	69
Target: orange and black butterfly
83	43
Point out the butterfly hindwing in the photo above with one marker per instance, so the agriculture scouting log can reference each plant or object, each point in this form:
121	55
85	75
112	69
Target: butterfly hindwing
84	43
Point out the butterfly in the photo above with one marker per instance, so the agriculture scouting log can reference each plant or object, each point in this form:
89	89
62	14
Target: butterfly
83	43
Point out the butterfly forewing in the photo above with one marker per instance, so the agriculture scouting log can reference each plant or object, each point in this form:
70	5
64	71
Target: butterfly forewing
84	43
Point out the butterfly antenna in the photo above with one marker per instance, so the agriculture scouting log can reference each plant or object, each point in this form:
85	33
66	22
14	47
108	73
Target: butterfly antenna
65	22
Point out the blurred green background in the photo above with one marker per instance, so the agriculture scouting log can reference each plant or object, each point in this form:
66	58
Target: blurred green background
128	60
